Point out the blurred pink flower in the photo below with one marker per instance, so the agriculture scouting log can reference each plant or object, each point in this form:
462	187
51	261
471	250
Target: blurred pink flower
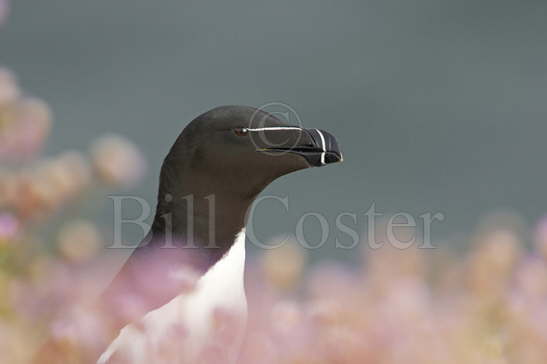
79	241
541	237
4	9
287	275
9	91
116	160
24	126
9	227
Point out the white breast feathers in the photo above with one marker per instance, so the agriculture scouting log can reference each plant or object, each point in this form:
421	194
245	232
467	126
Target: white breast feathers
205	325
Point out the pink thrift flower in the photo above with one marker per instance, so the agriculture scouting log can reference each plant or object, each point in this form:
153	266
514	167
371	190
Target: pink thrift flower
9	226
4	9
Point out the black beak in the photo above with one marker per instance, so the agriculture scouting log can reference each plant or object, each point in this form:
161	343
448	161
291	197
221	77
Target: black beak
317	146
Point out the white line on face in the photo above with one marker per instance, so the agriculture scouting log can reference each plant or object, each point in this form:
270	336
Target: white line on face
323	146
274	128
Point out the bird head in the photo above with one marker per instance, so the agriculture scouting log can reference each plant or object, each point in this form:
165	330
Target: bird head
244	149
230	154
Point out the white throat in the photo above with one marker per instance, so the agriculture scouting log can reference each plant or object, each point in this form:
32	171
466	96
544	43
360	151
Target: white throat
193	316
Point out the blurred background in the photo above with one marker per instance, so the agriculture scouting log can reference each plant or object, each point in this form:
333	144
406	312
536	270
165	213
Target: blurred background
439	105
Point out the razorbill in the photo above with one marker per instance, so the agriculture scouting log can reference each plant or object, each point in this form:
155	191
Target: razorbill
220	162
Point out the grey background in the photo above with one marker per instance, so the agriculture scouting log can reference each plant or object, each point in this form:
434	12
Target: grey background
439	105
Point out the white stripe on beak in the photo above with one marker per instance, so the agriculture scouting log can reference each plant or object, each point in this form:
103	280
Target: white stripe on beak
323	146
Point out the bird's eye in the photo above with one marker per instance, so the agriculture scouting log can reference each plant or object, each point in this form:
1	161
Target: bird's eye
241	131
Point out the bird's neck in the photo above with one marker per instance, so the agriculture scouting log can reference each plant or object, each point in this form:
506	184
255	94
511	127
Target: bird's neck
201	220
